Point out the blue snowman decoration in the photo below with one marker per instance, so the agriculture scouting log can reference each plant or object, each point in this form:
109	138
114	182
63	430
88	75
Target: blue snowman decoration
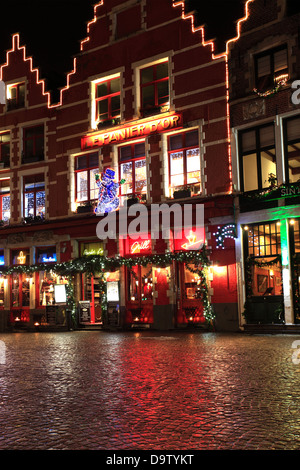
108	199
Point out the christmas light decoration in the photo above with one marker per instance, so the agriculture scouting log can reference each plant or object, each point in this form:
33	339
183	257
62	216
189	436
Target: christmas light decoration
108	199
227	231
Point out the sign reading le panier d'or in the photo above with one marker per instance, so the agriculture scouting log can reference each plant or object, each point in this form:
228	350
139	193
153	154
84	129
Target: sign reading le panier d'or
142	128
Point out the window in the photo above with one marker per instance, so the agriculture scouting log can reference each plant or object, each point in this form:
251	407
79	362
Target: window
34	196
33	144
4	200
154	88
108	99
257	157
263	246
86	167
4	149
184	160
292	149
132	161
16	96
269	66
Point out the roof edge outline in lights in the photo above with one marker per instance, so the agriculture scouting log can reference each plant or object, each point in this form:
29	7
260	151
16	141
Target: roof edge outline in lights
201	29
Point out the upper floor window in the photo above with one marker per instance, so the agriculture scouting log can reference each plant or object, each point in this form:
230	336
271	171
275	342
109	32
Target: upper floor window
257	157
16	96
33	144
269	66
132	160
108	99
34	196
5	200
86	168
292	149
4	149
184	160
154	81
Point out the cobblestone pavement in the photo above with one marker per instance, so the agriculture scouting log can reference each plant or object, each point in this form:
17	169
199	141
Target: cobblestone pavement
88	390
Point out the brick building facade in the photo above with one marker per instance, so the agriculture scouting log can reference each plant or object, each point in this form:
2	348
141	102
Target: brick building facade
146	103
264	65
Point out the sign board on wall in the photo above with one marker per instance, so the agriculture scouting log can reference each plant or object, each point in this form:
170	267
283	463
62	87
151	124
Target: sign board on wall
142	128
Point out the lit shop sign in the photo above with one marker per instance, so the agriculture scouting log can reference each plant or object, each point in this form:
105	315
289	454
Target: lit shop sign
49	259
144	128
194	240
2	260
140	247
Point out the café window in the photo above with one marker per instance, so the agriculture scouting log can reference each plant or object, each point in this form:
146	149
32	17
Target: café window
154	82
257	157
4	149
34	196
270	66
140	284
46	282
184	160
292	149
192	283
132	161
33	144
108	99
16	96
86	168
262	245
5	200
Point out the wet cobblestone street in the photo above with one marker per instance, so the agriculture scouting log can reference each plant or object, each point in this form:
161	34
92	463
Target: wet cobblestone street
91	390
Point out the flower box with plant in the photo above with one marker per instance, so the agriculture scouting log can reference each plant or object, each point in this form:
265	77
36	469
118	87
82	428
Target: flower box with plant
182	192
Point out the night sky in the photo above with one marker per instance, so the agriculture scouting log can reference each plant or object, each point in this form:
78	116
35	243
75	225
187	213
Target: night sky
52	29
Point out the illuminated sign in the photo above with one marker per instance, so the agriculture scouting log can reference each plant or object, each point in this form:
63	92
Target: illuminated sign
193	239
2	260
49	259
140	247
192	242
21	258
142	129
93	252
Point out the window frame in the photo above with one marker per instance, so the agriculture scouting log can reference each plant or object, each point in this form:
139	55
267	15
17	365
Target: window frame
183	149
132	159
155	83
5	165
88	169
269	53
33	190
108	96
258	150
286	144
16	103
34	157
2	195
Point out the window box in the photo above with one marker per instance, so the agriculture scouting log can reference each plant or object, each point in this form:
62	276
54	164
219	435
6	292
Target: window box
36	219
85	208
132	200
182	193
108	123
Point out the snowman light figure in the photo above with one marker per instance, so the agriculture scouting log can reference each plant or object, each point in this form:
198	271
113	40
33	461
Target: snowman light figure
108	199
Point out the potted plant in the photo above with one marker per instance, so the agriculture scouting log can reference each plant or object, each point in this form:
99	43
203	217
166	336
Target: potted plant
132	199
182	192
85	207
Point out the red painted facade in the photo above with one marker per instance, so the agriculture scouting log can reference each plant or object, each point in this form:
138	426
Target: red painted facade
123	39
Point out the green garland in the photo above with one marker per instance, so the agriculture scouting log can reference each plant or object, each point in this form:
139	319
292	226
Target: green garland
209	314
98	264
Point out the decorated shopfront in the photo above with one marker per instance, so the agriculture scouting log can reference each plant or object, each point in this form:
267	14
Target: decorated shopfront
263	273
